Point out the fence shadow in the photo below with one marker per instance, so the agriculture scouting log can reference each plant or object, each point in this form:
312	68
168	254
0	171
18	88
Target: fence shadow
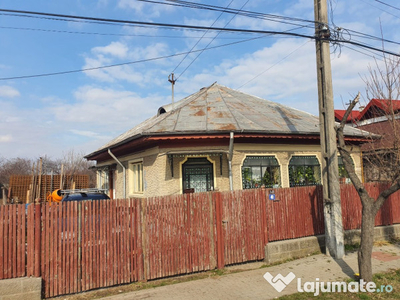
317	210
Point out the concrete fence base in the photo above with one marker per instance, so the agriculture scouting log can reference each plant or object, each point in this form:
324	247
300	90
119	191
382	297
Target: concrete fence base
288	249
22	288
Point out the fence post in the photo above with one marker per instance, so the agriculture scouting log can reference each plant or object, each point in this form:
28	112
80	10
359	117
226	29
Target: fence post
264	214
220	237
144	238
38	238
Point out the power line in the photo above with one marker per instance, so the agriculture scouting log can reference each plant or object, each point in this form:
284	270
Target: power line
269	17
364	53
169	25
337	39
122	64
380	9
212	39
387	4
61	17
112	34
258	75
198	41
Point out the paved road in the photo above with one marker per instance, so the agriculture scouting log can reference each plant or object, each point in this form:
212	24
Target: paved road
252	285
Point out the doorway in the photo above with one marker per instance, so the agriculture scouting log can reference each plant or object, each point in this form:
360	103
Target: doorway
198	175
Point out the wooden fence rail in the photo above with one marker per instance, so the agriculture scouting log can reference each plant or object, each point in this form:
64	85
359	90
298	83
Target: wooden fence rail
79	246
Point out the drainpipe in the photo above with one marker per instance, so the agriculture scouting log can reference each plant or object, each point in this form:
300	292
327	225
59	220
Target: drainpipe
230	155
123	170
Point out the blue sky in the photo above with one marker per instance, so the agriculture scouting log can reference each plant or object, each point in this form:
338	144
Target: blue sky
51	115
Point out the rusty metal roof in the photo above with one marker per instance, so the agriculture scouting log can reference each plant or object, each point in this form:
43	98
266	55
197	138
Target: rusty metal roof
217	109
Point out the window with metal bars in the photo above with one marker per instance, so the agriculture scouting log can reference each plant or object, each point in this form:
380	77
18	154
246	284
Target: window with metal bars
304	170
260	171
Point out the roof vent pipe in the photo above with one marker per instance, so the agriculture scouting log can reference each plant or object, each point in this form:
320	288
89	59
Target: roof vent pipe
123	169
230	156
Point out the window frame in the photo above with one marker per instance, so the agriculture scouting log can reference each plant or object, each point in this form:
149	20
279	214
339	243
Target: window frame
102	179
273	166
315	168
136	177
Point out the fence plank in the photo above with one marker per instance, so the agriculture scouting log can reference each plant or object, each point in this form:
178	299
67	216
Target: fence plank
141	239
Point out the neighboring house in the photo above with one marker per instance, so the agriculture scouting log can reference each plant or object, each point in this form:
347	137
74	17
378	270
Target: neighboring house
216	139
380	117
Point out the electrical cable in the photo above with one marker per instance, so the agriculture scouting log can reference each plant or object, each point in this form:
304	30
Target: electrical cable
122	64
337	38
261	15
112	34
205	32
212	39
269	17
377	7
366	54
61	17
387	4
140	23
258	75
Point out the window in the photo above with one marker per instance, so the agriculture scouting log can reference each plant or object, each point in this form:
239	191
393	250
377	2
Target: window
102	179
136	177
258	171
198	175
304	170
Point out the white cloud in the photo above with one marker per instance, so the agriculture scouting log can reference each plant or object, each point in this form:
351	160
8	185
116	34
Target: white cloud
135	72
150	10
116	49
106	106
5	138
8	91
85	133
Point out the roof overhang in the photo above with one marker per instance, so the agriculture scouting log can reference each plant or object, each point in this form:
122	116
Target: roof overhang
144	142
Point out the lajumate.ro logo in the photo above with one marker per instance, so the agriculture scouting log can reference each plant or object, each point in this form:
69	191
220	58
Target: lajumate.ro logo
280	282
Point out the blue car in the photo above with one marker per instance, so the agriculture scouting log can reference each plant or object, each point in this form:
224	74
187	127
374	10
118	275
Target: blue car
85	196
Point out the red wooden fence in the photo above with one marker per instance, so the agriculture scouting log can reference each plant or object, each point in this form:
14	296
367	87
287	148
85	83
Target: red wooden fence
78	246
12	241
178	234
297	212
243	225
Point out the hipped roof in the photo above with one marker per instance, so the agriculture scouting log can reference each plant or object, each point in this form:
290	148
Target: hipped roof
219	109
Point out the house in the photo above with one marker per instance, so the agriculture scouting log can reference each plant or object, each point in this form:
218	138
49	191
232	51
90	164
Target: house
375	111
380	117
216	139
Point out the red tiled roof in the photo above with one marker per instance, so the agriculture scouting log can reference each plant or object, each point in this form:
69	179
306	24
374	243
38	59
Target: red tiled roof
339	114
375	108
381	104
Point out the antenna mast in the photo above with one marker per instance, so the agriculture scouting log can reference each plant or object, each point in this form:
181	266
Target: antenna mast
172	79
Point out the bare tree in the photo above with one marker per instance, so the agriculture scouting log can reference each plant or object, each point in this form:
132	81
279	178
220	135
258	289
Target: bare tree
75	164
381	155
14	166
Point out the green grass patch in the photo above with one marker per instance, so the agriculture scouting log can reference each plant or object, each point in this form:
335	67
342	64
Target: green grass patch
352	248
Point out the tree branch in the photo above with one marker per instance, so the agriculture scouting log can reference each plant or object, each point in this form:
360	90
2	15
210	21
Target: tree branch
347	161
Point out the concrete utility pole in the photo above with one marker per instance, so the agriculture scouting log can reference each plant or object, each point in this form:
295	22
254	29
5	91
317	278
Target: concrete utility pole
331	188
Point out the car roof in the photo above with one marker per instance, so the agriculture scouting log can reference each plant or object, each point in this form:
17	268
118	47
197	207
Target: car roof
85	196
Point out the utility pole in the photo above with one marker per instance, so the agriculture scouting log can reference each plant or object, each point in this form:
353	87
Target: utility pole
331	188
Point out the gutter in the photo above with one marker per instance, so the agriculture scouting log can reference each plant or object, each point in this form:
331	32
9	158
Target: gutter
230	156
123	169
